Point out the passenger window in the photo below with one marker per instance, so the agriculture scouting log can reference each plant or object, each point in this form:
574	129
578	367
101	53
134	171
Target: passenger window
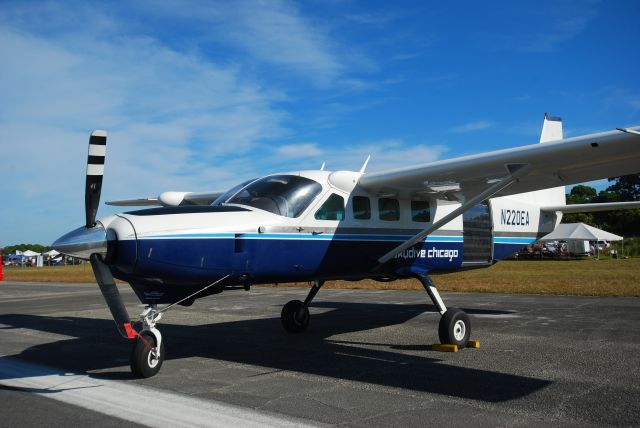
361	208
389	209
332	209
420	211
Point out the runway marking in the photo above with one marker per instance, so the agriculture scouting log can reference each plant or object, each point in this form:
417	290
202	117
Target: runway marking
139	404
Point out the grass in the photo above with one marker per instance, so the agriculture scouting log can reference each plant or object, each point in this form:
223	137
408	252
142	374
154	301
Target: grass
77	273
585	277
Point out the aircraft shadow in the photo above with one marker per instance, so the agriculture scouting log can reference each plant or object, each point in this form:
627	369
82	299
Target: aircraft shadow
262	342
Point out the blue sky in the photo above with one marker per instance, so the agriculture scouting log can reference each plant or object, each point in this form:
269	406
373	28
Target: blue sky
206	94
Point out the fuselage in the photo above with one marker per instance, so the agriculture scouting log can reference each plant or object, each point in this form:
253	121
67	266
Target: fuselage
313	225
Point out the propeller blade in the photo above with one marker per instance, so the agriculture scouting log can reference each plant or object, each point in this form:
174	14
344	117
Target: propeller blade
95	171
111	294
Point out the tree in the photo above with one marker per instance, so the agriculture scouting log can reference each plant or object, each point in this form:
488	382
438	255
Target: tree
10	249
581	194
628	187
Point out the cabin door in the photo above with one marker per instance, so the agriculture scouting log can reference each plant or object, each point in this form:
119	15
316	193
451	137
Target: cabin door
476	224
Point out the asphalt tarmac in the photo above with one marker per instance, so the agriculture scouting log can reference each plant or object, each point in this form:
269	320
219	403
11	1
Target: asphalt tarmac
364	361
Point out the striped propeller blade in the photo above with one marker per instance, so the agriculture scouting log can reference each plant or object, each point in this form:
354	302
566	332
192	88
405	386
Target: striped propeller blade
95	171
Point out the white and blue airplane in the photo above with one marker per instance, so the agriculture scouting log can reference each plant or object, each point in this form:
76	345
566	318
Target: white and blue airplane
461	213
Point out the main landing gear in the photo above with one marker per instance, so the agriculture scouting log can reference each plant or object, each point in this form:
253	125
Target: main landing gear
147	354
295	314
455	326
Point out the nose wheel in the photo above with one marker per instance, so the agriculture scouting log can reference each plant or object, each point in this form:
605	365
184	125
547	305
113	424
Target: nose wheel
146	356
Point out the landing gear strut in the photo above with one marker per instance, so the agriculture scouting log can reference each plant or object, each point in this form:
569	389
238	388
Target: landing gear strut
147	354
295	314
455	326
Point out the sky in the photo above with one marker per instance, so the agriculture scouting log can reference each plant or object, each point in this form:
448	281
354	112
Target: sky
201	95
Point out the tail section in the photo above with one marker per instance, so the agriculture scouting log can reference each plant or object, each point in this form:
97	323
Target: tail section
541	221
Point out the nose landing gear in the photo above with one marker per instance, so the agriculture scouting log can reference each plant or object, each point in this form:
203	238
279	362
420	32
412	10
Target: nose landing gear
147	354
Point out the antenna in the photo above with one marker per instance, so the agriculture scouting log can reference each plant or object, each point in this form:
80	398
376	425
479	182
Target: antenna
364	165
322	166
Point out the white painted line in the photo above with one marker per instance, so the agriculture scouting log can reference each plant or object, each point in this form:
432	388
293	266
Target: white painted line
139	404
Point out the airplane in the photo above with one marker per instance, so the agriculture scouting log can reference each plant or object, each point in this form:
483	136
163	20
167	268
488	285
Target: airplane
317	225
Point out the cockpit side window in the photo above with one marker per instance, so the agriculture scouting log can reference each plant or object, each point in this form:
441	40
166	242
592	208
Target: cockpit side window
332	209
285	195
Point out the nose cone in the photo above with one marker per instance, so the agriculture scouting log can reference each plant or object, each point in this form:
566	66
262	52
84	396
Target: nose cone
83	242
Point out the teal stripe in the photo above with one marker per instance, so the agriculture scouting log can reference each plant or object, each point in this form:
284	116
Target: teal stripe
502	240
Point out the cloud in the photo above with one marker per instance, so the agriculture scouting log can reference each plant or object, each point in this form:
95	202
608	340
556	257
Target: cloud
471	127
543	29
385	154
174	118
271	32
299	150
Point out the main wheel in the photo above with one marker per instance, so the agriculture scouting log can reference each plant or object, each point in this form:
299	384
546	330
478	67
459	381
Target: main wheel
145	359
295	317
455	327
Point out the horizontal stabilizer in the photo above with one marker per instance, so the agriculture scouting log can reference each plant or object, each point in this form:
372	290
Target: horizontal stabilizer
585	208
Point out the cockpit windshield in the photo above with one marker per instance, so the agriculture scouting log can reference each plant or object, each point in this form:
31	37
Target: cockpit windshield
285	195
229	193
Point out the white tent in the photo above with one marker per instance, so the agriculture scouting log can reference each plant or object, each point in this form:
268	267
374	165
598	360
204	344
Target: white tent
580	232
30	253
51	253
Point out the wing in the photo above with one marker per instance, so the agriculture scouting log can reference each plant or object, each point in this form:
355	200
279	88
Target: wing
139	202
559	163
170	199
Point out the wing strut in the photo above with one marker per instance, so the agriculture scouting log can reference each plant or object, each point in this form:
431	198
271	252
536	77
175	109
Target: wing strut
515	171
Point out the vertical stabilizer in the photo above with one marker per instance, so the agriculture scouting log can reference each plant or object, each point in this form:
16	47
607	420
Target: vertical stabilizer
551	129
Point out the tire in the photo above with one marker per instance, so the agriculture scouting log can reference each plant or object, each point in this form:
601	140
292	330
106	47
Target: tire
292	320
143	364
454	328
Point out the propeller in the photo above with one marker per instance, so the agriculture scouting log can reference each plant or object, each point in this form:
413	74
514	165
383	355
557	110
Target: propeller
90	241
95	171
